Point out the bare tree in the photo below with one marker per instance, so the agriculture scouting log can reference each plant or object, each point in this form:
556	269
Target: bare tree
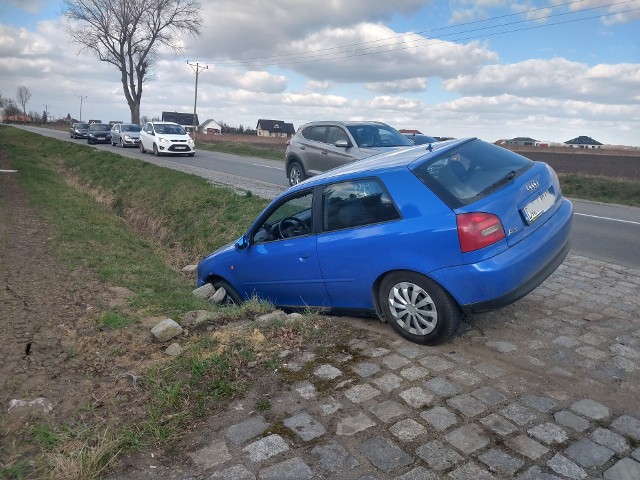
128	33
23	95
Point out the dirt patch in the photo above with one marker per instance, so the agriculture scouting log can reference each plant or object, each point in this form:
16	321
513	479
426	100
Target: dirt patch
52	343
619	164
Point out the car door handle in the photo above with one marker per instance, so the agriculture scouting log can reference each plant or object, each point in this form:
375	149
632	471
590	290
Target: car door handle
303	257
302	147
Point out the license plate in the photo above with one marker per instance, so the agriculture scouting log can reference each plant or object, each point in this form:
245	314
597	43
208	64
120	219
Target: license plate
180	147
100	138
538	206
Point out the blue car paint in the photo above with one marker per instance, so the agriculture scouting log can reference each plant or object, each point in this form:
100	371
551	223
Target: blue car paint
340	269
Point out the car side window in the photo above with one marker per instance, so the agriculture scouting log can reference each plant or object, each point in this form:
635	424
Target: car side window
292	218
317	133
356	203
149	128
335	134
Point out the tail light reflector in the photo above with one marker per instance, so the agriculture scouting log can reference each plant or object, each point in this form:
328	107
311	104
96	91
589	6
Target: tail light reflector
477	230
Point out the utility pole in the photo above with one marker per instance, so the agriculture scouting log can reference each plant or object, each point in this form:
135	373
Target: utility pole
81	97
196	68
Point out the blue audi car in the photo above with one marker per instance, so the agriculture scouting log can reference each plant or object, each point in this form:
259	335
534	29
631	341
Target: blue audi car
419	237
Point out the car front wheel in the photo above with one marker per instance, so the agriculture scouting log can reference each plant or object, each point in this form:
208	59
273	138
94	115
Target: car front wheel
231	296
142	150
155	150
418	308
296	173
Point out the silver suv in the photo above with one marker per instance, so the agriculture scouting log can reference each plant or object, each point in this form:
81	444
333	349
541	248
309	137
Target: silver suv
320	146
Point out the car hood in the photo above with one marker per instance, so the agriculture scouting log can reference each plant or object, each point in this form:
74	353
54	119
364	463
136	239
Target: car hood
173	137
99	132
130	134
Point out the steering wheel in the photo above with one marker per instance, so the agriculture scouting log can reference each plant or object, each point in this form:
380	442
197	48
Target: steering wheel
296	227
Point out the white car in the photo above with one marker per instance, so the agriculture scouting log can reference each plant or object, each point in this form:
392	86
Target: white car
166	138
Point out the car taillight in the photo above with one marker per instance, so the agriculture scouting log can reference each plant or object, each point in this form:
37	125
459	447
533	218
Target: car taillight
477	230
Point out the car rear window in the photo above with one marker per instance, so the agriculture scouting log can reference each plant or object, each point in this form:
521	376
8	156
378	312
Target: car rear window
470	172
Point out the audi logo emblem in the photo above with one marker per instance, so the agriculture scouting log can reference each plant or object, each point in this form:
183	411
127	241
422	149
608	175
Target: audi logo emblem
531	186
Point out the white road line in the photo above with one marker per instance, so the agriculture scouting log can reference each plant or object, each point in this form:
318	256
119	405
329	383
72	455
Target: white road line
266	166
8	171
607	218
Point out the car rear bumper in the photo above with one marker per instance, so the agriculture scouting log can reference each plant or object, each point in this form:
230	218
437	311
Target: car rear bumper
512	274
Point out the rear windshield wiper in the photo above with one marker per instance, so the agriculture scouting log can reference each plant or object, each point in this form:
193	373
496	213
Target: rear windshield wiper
494	186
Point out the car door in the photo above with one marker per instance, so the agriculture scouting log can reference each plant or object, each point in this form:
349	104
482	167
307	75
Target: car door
315	149
146	136
115	133
284	271
359	230
335	156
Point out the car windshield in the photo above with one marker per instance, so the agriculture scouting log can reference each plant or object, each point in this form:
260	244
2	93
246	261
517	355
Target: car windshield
375	135
170	129
470	172
99	127
130	127
421	139
81	125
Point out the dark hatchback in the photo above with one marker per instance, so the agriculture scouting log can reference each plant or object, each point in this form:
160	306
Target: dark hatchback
98	133
78	130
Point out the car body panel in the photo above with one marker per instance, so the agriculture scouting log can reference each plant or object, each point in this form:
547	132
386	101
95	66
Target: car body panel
341	268
317	145
98	133
168	137
79	130
125	134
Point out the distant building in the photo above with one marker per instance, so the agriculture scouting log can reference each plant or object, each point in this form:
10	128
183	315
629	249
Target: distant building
583	142
210	126
523	141
274	128
184	119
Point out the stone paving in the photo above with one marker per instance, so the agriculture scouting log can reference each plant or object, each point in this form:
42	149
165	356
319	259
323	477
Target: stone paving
548	388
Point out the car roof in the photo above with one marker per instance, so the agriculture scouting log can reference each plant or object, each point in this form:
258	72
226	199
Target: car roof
165	123
401	158
345	123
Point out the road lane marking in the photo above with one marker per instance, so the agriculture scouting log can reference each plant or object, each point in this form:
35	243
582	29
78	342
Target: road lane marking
8	171
266	166
607	218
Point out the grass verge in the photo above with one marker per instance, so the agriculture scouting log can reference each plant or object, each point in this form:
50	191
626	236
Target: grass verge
132	224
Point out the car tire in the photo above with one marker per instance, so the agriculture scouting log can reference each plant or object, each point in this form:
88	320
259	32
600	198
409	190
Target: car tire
113	144
231	297
155	150
418	308
142	150
295	173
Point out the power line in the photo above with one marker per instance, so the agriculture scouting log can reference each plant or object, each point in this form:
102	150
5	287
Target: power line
332	53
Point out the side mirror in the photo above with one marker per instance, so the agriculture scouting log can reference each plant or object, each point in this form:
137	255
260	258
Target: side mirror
342	144
242	243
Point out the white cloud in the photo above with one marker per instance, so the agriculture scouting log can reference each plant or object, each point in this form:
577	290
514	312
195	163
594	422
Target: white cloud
622	12
557	78
316	86
401	86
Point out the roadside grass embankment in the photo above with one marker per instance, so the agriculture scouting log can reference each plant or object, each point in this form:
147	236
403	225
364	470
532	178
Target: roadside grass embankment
132	224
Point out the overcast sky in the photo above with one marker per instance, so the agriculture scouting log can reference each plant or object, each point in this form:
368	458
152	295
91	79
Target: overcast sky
551	70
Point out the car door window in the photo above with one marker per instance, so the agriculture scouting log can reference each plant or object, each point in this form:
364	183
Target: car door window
317	134
290	219
356	203
335	134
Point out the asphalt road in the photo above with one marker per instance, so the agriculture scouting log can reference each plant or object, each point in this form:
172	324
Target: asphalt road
606	232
